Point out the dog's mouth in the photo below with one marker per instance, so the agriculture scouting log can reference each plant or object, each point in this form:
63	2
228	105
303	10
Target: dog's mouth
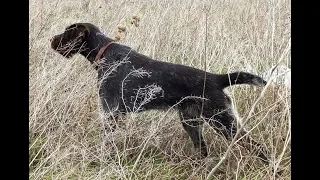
53	43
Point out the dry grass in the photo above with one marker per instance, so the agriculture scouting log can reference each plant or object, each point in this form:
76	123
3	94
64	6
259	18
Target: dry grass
67	136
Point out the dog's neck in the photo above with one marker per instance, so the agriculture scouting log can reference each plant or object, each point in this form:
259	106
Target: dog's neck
94	43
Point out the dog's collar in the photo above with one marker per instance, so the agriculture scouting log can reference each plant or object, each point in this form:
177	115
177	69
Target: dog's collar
96	60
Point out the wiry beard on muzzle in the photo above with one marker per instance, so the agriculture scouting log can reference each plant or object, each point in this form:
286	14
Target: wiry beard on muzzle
71	47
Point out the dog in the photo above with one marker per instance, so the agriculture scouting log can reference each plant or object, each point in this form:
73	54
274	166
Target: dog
132	82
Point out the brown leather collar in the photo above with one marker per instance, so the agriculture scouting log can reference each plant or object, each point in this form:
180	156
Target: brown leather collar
96	60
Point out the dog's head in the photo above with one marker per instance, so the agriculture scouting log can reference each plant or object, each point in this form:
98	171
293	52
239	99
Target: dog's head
73	39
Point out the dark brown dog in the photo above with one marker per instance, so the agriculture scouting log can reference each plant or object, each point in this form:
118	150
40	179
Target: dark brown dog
132	82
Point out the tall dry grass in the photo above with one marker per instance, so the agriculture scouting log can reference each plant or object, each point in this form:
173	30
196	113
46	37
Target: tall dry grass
66	126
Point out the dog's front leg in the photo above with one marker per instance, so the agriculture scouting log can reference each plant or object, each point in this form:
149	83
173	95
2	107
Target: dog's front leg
111	109
111	119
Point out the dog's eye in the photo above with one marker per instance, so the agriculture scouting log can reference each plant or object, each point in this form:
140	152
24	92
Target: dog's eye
70	28
68	44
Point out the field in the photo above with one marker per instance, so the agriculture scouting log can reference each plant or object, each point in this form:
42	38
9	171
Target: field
67	138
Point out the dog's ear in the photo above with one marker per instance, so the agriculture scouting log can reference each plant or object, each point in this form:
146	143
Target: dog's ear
76	31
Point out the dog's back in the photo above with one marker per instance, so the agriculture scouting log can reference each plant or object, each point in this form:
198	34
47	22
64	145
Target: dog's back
139	73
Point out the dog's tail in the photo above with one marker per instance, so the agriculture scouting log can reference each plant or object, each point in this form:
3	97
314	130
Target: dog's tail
225	80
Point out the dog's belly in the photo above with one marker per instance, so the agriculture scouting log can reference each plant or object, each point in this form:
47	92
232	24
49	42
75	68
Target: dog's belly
145	101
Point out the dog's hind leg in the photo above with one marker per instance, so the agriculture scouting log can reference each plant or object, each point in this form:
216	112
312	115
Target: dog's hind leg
225	123
191	123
